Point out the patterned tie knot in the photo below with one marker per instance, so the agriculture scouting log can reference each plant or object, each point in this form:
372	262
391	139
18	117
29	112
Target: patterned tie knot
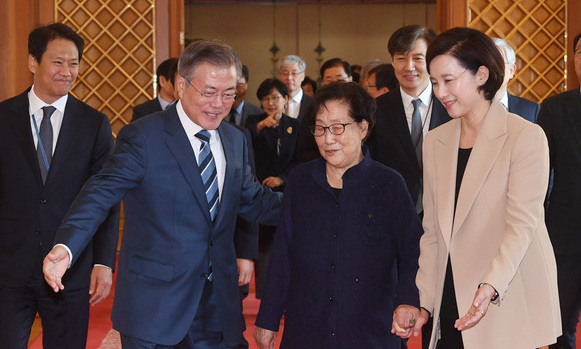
47	111
204	136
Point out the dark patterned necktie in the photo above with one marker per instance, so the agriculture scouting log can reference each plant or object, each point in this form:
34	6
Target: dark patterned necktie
207	167
44	147
417	130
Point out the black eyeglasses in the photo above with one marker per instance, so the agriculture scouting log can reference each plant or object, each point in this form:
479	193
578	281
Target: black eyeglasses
335	129
211	96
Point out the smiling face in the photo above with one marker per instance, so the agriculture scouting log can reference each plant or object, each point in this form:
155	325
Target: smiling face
274	102
340	151
410	68
456	87
57	71
207	78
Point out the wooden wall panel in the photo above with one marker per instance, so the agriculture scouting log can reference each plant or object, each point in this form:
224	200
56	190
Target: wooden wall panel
119	63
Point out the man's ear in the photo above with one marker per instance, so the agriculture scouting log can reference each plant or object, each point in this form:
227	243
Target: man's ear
32	63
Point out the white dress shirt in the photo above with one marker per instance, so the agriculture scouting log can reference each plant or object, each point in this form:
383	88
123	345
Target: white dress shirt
215	145
425	107
35	105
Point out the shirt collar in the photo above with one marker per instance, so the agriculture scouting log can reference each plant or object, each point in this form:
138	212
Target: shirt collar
239	107
163	102
425	96
298	96
189	126
504	100
36	103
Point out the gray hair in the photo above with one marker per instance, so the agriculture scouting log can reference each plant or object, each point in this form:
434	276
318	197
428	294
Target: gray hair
292	59
506	50
213	52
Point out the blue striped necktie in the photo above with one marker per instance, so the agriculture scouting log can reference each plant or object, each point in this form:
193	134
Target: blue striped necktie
207	167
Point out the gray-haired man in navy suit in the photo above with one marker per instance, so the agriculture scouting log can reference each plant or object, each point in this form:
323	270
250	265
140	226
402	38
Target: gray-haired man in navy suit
520	106
184	176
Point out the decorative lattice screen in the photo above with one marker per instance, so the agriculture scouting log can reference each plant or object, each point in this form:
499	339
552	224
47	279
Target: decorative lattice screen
118	65
536	29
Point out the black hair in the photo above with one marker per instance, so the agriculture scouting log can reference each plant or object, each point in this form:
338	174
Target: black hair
39	38
472	49
404	39
336	62
267	85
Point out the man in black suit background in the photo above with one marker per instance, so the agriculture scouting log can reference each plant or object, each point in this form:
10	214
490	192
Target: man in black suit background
529	110
399	118
292	72
165	97
242	108
391	142
50	143
560	118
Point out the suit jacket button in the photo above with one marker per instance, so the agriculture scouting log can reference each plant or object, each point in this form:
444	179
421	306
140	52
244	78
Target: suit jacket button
211	242
43	201
37	231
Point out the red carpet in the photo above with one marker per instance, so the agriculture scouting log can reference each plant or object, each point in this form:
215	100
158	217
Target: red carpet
100	323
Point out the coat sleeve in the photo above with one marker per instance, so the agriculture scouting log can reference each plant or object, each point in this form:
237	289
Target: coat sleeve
427	272
107	236
123	170
273	303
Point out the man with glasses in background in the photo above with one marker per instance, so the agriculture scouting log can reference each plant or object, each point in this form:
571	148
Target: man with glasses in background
292	73
184	176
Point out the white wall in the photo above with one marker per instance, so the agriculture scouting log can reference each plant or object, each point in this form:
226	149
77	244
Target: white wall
356	33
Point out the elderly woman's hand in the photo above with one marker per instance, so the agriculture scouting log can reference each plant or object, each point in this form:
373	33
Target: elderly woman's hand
404	320
264	338
478	309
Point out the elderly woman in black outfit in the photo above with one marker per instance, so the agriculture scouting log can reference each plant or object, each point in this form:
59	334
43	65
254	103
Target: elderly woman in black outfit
346	222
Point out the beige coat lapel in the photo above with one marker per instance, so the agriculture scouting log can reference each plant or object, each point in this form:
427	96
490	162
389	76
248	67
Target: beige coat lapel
446	152
487	147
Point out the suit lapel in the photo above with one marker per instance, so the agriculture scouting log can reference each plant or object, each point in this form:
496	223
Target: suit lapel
181	148
439	114
21	121
401	127
446	150
487	147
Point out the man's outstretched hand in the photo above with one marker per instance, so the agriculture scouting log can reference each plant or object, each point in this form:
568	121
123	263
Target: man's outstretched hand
54	267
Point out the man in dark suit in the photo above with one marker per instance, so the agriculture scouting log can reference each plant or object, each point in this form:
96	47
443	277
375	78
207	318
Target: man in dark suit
529	110
165	97
50	143
560	118
242	108
292	72
183	175
391	141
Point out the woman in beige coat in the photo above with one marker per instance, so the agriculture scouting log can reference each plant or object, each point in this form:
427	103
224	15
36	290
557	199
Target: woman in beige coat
487	270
